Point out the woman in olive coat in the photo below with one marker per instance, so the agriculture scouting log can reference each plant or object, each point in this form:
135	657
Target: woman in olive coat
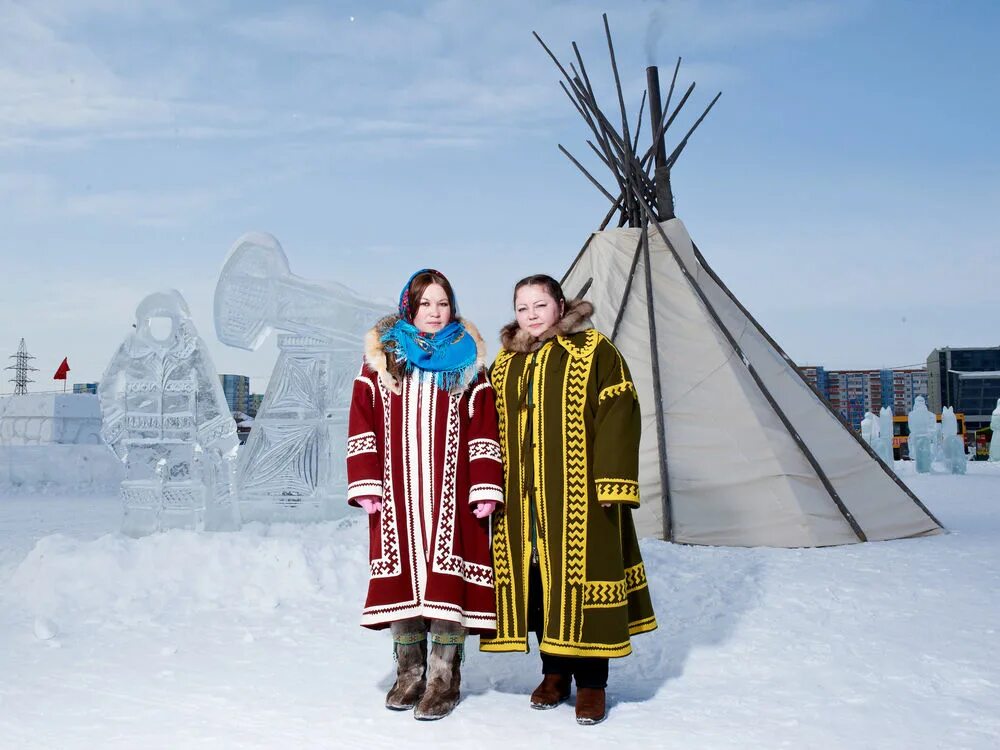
565	553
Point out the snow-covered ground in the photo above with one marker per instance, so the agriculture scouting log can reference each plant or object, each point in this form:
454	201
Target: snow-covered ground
249	640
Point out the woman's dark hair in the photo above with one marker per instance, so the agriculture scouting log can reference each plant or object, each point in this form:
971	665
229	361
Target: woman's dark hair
419	285
553	287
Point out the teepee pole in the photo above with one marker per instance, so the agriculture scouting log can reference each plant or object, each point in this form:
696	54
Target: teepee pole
590	98
648	156
588	175
627	291
628	161
582	251
638	126
582	104
684	141
654	356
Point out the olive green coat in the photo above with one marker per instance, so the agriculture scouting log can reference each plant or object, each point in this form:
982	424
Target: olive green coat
569	445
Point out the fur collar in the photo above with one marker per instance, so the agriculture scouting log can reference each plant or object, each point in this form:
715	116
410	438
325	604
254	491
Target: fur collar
575	319
384	365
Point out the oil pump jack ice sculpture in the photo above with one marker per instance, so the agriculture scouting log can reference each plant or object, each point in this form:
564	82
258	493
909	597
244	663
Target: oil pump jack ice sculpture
293	464
164	414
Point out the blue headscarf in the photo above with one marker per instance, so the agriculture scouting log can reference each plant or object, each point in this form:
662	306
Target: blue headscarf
450	353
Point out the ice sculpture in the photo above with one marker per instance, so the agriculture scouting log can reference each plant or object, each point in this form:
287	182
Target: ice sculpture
920	422
937	442
293	464
166	418
954	446
883	441
995	426
869	428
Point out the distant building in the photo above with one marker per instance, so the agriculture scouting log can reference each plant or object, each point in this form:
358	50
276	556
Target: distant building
853	392
967	379
817	378
255	402
905	386
237	390
85	387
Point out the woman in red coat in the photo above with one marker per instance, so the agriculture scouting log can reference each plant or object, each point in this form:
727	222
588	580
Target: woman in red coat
423	460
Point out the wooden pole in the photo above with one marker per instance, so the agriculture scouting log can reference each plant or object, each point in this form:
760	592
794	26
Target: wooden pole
654	356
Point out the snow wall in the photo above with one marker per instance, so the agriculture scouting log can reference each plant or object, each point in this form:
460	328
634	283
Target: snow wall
52	441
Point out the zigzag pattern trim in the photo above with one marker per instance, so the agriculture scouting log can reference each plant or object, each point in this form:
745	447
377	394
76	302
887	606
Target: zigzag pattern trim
501	534
575	457
501	539
616	489
584	350
604	594
616	390
635	578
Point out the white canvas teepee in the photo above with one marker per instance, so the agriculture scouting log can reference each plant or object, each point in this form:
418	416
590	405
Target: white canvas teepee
753	455
737	448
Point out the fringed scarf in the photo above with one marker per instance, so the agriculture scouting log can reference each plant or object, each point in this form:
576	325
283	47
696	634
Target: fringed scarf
450	353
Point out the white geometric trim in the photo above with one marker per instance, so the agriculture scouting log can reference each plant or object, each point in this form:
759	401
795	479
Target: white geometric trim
485	448
391	563
443	560
363	443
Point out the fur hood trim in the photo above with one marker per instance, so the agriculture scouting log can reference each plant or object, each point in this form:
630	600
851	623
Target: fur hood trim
376	358
575	319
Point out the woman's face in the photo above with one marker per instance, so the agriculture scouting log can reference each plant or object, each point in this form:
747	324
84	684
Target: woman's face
434	310
535	309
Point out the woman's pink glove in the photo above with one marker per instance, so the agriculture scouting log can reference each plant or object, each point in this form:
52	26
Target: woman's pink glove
371	504
484	508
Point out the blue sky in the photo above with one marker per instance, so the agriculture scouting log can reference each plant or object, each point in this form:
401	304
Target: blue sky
846	186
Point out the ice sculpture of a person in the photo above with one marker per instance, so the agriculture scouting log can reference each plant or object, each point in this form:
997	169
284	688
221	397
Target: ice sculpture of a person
920	423
882	444
995	426
165	416
869	428
954	447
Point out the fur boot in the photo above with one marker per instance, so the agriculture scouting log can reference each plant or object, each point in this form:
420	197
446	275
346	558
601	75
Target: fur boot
410	643
444	671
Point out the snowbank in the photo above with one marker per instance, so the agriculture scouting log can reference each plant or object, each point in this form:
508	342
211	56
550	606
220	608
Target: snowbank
250	640
58	468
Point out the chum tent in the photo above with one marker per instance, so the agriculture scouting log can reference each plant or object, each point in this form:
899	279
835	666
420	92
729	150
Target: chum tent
737	448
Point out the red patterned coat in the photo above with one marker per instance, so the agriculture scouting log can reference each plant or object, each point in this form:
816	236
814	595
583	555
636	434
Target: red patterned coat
431	456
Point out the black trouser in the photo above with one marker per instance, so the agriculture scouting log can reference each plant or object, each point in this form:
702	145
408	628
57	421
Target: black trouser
589	672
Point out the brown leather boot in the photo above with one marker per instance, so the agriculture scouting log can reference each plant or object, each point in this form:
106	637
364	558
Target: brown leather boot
590	706
553	691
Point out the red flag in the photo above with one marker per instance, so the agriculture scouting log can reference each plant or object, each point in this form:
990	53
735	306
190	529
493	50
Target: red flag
63	369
